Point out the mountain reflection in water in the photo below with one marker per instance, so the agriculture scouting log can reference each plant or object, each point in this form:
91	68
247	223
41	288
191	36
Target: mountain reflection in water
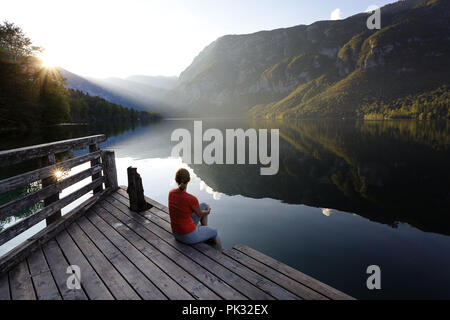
389	172
348	194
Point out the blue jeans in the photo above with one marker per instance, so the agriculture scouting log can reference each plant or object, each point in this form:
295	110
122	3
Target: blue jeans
201	233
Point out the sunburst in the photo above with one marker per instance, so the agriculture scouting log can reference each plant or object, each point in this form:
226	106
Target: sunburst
48	61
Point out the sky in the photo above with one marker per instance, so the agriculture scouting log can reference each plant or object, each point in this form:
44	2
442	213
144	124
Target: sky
111	38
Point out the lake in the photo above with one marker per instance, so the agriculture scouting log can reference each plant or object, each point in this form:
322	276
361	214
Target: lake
348	194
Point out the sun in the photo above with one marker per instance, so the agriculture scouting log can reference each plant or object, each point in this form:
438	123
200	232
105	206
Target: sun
48	60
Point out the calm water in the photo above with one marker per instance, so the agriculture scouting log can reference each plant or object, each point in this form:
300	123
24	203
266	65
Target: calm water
348	195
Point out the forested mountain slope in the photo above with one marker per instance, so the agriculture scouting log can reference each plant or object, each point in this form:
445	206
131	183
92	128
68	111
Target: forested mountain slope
329	68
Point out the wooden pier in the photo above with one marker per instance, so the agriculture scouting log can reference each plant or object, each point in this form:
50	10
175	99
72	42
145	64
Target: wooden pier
123	254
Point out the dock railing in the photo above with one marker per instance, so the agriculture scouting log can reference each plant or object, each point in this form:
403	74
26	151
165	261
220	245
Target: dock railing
50	173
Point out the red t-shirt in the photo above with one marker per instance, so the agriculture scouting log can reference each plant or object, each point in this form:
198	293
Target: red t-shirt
181	206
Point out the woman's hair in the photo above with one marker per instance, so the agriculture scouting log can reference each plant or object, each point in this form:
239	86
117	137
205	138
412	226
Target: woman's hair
182	177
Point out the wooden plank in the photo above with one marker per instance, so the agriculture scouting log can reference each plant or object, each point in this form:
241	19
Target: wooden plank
42	173
4	288
324	289
118	286
109	169
161	214
48	160
20	283
90	281
155	210
58	266
183	278
314	284
235	281
119	197
20	252
201	274
165	283
28	200
122	191
143	286
44	284
35	218
94	148
294	274
268	285
10	157
285	282
271	287
264	284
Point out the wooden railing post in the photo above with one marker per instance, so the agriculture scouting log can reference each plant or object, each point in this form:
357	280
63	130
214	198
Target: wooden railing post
52	185
109	169
136	191
45	162
93	148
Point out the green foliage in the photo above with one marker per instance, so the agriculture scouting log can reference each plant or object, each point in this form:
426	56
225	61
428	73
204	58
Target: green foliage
400	71
349	53
33	96
424	106
14	45
303	93
89	109
52	97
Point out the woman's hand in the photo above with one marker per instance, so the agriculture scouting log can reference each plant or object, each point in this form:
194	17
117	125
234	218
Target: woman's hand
207	212
202	213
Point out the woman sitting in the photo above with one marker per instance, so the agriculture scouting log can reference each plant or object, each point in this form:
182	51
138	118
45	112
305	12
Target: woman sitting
186	214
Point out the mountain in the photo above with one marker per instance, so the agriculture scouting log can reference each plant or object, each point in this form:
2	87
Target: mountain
329	68
76	82
160	82
144	93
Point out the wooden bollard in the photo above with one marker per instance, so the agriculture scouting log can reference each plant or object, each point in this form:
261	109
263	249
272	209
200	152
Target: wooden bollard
136	191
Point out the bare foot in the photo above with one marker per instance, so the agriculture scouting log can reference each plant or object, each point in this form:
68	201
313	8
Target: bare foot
218	245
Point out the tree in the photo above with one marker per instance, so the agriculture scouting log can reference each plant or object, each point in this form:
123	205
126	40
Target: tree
32	95
14	44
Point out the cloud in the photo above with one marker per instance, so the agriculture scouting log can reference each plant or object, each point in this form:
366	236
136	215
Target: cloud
336	14
326	212
216	195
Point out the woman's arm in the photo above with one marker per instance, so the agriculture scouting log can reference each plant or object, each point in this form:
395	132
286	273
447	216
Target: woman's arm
202	213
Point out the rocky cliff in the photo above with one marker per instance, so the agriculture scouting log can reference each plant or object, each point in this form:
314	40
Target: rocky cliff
329	68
